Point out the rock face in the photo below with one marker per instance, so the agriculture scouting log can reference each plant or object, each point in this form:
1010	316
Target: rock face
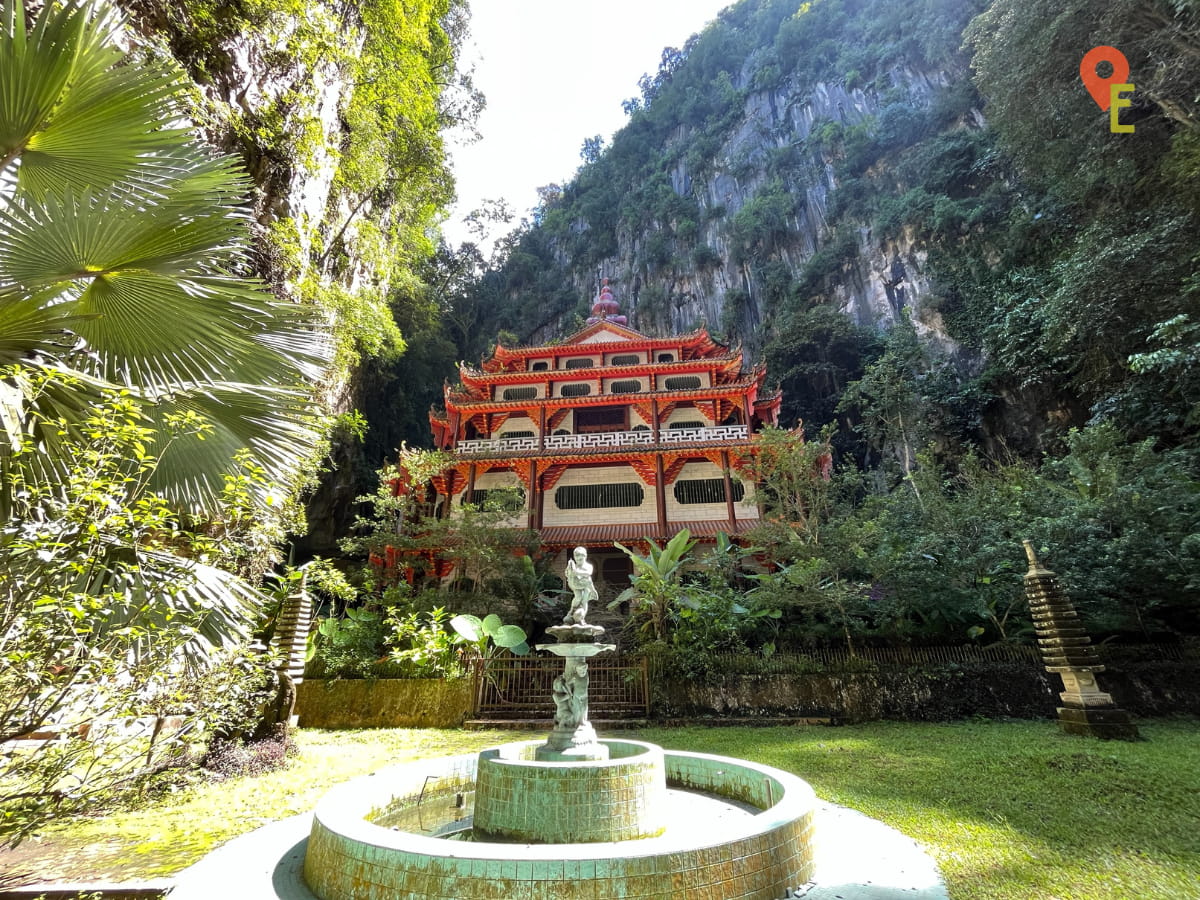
873	285
256	95
273	84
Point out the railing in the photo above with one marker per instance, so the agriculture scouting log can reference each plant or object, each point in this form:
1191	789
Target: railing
598	439
521	687
499	445
701	435
517	688
602	439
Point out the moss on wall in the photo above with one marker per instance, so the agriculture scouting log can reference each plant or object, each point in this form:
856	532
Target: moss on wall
384	703
931	693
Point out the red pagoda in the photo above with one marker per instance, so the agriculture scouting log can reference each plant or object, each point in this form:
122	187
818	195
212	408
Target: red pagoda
611	435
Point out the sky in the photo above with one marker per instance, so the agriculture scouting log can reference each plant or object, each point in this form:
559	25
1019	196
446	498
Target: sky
555	72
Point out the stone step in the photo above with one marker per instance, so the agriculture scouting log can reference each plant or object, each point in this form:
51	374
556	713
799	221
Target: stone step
547	724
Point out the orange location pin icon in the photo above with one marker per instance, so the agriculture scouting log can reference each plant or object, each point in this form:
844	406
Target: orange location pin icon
1099	87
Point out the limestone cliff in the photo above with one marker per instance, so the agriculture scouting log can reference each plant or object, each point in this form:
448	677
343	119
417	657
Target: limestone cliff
306	94
872	286
732	193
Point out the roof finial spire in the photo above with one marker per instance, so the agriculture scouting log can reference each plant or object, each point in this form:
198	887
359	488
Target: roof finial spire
606	309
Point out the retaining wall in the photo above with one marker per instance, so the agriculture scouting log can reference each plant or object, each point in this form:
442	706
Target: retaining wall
1014	689
384	703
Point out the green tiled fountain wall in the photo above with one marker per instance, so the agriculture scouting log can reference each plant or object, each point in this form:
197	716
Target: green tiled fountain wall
618	799
760	858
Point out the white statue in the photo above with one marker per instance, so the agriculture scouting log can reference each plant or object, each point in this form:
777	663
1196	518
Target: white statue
579	580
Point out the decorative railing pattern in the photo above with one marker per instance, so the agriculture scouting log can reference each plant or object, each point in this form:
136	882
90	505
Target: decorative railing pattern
701	435
603	439
598	439
499	445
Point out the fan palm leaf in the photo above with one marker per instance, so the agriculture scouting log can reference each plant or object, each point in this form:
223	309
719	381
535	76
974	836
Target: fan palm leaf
60	89
122	262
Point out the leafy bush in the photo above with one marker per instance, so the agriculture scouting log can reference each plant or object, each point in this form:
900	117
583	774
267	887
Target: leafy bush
348	646
422	647
239	759
486	637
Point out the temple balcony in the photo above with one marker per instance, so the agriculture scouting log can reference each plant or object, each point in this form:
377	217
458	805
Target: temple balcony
704	435
523	445
605	439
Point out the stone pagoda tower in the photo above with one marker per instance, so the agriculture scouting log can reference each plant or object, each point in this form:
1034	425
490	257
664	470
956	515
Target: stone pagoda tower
1068	652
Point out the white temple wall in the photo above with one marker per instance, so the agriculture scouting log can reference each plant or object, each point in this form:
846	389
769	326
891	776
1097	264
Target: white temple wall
746	508
517	423
646	512
687	414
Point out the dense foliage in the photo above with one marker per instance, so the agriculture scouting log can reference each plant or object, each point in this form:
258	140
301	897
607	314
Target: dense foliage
161	411
339	111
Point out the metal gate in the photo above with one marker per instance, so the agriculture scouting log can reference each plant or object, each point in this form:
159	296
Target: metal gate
520	687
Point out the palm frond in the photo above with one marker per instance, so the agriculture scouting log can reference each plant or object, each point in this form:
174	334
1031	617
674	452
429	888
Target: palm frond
165	591
60	87
276	424
124	244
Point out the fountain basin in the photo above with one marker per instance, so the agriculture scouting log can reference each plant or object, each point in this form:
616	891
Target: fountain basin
757	855
619	798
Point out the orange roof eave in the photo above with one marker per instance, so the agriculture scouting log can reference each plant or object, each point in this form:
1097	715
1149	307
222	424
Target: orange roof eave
464	403
571	346
605	535
726	363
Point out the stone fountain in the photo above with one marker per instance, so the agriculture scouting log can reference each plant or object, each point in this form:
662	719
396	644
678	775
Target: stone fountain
574	816
574	738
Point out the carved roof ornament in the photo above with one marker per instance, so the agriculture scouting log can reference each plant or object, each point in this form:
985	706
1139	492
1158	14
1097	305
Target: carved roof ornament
606	309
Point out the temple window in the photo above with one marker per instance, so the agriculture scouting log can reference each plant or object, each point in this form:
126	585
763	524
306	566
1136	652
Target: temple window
689	423
625	387
682	382
520	393
579	364
627	359
666	357
517	494
599	496
576	390
505	435
706	490
539	366
601	418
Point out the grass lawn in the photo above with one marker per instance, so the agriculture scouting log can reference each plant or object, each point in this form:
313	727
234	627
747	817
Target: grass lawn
1011	810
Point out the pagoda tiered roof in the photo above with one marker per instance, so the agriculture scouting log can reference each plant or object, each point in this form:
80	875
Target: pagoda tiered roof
623	456
597	534
694	345
725	363
468	402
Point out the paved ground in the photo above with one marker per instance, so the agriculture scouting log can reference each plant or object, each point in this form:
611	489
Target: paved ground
858	858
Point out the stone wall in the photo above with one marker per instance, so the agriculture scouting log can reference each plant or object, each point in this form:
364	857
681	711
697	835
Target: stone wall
929	693
384	703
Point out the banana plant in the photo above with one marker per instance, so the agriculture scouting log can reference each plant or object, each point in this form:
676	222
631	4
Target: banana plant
656	587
